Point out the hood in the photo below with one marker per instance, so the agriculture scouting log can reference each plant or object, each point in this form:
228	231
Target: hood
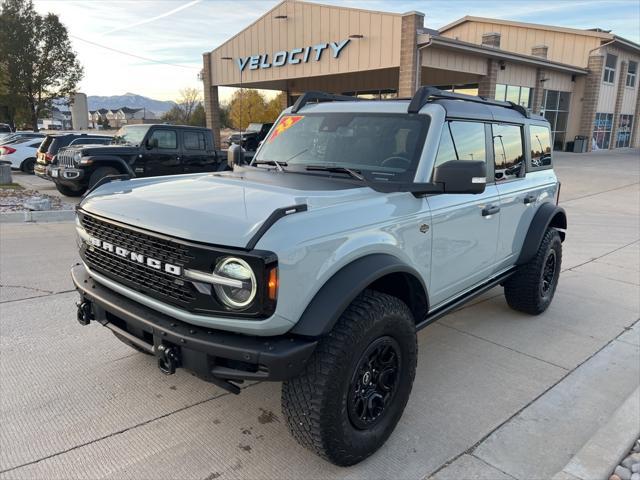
108	149
224	209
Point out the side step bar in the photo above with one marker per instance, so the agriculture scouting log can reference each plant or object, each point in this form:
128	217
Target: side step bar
458	302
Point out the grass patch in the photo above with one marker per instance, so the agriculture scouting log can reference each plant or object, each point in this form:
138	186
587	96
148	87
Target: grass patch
11	186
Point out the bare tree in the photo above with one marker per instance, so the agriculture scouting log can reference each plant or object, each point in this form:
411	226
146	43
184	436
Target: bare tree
189	99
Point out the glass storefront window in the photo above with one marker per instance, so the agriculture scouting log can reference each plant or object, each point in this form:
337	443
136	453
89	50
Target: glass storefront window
625	128
501	91
556	111
515	94
602	126
525	95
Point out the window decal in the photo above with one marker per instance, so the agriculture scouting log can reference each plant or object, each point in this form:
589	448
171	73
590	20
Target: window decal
284	124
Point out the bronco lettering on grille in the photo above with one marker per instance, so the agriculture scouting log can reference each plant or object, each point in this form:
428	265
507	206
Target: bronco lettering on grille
135	257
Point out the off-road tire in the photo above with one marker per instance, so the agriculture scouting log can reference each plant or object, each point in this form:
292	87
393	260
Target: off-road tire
70	192
524	290
100	173
28	165
315	404
132	345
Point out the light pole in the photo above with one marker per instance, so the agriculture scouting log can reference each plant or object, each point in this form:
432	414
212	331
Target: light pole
241	96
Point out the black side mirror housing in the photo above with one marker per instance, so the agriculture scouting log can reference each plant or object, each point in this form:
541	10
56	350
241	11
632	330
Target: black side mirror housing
235	155
152	143
461	176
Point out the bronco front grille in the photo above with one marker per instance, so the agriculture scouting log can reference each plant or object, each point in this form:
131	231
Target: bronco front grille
164	286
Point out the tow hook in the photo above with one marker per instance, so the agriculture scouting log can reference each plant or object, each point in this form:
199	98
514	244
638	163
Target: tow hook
168	359
85	313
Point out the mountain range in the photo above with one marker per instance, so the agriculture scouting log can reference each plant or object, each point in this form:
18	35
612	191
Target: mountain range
130	100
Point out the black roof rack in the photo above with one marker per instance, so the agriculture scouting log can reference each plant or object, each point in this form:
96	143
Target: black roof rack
424	94
314	96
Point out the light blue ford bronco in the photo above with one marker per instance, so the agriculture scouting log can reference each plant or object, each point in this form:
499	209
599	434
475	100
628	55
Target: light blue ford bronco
357	224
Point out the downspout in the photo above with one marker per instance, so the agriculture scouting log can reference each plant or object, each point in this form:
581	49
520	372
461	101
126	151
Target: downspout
419	63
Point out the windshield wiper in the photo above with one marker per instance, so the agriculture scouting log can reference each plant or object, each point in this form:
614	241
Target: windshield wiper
324	168
277	164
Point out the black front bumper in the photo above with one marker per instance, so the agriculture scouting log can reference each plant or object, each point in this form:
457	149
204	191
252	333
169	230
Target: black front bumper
213	355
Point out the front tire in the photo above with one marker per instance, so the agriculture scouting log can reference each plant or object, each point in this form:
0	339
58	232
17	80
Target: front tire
532	287
70	192
100	173
356	385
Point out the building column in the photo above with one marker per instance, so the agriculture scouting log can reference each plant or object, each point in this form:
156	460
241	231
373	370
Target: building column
622	78
285	100
538	92
408	81
211	101
487	84
591	96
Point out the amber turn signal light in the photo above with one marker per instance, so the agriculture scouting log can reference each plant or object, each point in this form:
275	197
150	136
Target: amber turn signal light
272	284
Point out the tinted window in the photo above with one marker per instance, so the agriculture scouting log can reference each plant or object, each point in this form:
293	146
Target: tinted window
194	141
461	141
508	151
34	145
167	139
540	146
45	144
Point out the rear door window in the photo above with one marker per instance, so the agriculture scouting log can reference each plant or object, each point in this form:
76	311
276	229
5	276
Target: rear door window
508	152
540	138
194	141
167	139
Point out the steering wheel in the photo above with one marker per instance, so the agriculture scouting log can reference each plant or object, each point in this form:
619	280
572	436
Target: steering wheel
395	159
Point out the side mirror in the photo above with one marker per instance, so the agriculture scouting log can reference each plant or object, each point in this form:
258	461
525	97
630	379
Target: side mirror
461	176
235	155
152	143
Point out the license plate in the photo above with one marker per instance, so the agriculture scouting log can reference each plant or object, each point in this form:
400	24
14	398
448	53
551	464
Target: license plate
54	172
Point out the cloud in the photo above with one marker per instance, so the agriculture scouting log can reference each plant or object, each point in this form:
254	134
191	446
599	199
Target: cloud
152	19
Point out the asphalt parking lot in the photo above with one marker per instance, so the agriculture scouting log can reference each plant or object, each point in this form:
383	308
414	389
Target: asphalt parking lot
498	394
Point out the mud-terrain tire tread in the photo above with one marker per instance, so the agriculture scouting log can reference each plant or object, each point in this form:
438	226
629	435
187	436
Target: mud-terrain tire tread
305	397
522	290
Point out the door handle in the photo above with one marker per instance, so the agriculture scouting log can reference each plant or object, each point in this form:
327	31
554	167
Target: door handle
529	199
490	210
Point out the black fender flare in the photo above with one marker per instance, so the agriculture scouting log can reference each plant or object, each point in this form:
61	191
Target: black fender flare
343	287
548	215
108	160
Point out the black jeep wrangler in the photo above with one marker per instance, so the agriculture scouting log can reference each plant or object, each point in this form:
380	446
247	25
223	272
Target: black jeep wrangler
137	151
251	137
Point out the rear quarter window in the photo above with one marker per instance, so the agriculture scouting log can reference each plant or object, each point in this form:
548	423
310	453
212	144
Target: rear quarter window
540	141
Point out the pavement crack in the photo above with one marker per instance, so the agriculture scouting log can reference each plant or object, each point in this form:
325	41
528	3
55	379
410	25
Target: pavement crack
600	193
471	449
505	347
601	256
124	430
51	294
27	288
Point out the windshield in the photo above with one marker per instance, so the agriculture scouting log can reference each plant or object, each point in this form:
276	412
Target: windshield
131	135
387	145
253	127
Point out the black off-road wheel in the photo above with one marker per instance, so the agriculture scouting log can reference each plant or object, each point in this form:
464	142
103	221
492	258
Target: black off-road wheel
531	288
356	385
100	173
70	192
132	345
28	165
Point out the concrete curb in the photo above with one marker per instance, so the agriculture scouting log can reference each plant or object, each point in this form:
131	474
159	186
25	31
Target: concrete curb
608	446
43	216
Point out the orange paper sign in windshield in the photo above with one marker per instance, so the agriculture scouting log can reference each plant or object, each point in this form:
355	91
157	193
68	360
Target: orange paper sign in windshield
284	124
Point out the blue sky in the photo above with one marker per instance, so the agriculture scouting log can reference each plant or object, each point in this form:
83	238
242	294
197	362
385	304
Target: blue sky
179	31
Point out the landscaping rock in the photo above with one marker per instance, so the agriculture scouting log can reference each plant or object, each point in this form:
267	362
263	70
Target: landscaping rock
635	468
623	472
635	476
614	477
38	203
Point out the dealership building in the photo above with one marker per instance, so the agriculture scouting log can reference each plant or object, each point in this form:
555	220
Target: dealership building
585	82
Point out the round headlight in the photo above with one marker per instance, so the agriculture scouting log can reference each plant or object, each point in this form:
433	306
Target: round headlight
239	296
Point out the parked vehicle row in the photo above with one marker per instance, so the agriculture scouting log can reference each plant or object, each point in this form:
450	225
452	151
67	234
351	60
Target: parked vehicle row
250	138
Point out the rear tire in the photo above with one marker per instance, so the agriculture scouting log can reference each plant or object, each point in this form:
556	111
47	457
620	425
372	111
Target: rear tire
28	165
70	192
532	287
356	385
100	173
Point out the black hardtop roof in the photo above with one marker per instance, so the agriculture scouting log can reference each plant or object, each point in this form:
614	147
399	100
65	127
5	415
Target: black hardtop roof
168	125
78	134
